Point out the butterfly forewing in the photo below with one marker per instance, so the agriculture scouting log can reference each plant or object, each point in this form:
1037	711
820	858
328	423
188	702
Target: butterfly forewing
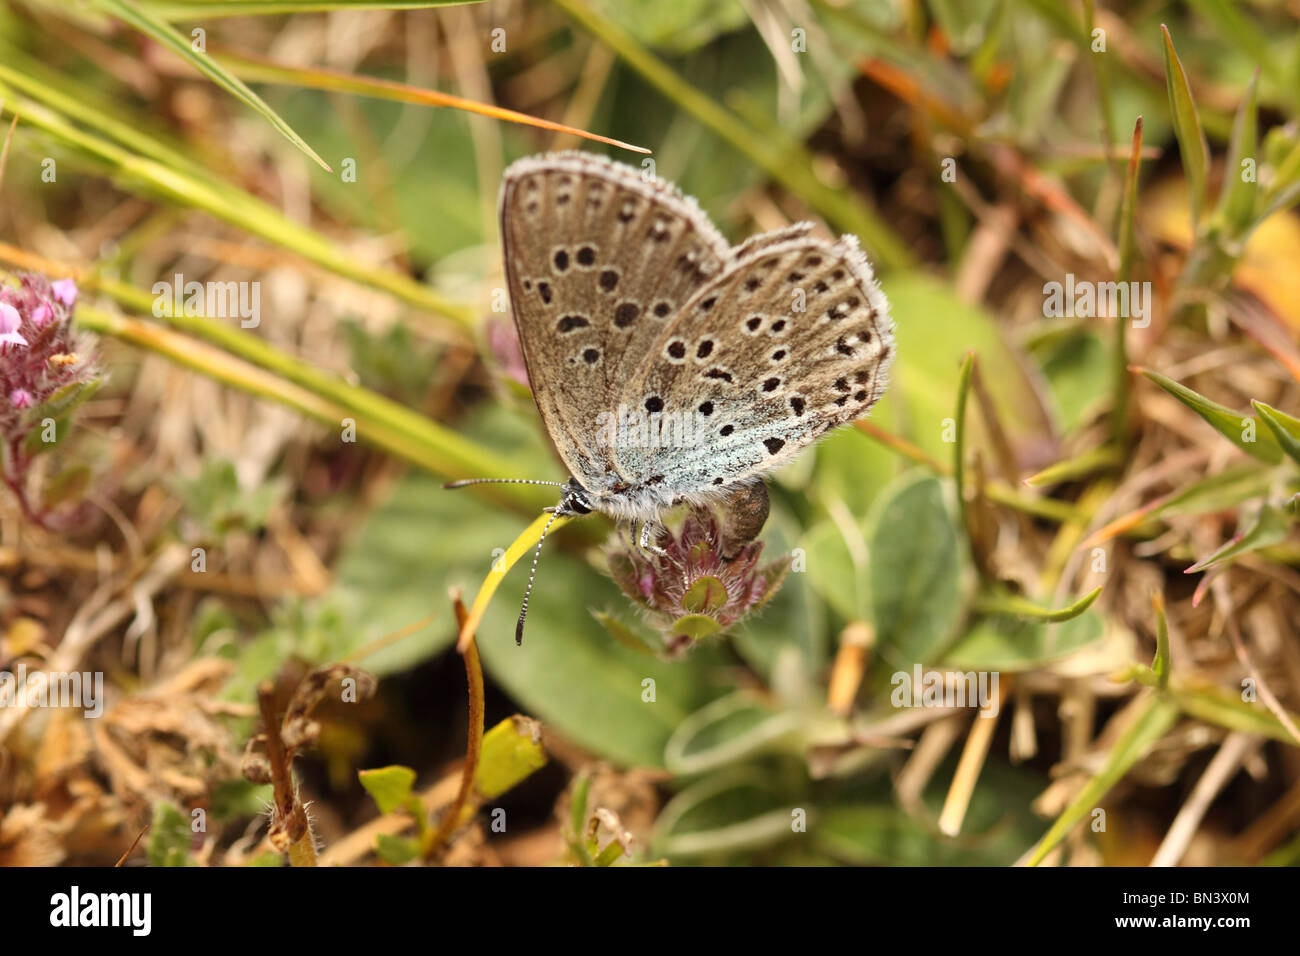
790	340
598	261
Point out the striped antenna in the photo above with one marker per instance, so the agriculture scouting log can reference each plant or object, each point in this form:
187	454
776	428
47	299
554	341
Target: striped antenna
466	482
523	611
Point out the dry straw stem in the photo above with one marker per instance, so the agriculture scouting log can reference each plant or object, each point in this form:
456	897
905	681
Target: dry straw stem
452	817
99	616
259	69
522	545
288	809
971	763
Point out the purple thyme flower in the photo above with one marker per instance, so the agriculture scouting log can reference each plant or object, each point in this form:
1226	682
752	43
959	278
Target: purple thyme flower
41	358
692	591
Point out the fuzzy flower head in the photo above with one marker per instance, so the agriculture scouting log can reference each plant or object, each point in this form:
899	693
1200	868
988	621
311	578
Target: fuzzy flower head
41	356
692	591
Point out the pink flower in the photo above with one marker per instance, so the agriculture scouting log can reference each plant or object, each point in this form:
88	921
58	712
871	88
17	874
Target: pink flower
42	315
21	398
65	290
9	322
691	591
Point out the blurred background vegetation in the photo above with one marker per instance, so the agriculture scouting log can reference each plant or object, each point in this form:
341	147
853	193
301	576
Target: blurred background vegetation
249	513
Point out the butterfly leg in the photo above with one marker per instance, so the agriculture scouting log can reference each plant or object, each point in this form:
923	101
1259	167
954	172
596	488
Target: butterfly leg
649	531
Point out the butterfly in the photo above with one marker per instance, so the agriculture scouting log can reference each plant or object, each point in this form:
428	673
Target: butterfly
635	314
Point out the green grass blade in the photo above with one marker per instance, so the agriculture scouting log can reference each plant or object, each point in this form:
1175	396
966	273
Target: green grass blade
429	446
1187	127
163	33
1236	209
190	187
1127	243
1155	715
1016	606
1240	429
1284	428
1162	662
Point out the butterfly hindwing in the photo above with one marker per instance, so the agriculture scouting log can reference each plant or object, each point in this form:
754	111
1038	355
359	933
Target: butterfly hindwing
790	340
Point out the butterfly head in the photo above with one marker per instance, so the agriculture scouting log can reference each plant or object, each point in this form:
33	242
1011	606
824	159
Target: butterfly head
576	500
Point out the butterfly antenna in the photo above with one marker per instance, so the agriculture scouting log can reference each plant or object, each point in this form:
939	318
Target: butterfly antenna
466	482
523	611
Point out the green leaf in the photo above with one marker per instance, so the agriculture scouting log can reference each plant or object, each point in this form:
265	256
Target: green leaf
1226	709
1237	196
1192	147
1284	428
389	786
727	731
696	626
170	837
705	594
60	407
1265	529
729	812
837	572
512	750
935	332
151	25
396	850
872	831
1237	427
1153	716
915	575
1010	645
626	634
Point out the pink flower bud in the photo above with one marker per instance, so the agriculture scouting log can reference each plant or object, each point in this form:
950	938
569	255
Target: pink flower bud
42	315
9	322
65	290
20	398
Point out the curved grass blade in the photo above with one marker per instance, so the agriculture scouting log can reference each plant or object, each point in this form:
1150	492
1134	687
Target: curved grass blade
1284	428
258	70
1194	151
162	32
1268	528
1237	427
1022	607
522	545
1162	662
1236	207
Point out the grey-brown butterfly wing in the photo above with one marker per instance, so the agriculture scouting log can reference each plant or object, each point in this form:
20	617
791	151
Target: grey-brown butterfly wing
598	259
792	339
